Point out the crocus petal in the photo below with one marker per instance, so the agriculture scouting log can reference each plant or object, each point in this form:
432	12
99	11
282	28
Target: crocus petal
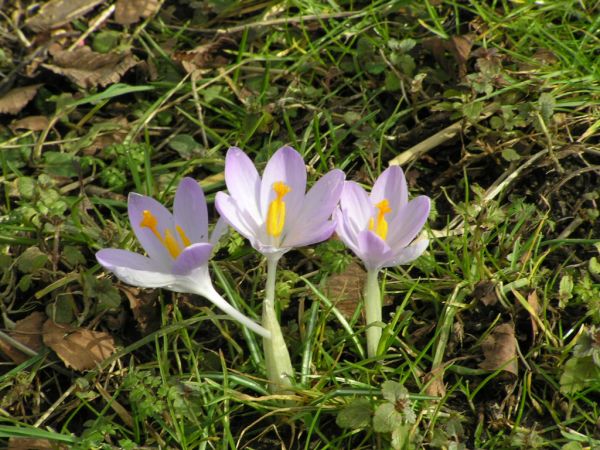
318	207
134	269
243	181
285	165
136	205
190	211
356	207
391	185
344	231
218	231
374	251
409	222
312	235
235	217
192	257
408	254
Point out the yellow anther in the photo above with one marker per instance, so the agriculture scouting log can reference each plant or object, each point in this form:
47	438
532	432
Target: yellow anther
378	224
149	221
276	212
171	244
169	241
186	241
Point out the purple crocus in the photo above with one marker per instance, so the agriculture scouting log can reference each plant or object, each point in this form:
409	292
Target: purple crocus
380	229
177	246
276	214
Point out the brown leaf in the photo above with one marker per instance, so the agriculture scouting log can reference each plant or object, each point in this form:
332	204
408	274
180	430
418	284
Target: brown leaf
534	302
32	123
202	56
130	11
27	331
78	348
485	291
500	349
345	289
56	13
461	46
143	307
435	383
15	100
87	68
15	443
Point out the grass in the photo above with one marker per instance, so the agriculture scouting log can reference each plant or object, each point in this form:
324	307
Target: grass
514	231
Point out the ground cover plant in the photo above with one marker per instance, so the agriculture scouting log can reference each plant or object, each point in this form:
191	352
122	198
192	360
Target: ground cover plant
489	339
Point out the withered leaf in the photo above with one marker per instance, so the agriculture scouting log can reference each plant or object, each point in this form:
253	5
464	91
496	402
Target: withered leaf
87	68
534	302
500	349
78	348
15	443
56	13
485	291
143	307
32	123
345	289
27	331
202	56
130	11
15	100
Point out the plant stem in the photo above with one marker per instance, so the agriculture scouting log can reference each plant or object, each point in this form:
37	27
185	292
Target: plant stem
373	311
277	358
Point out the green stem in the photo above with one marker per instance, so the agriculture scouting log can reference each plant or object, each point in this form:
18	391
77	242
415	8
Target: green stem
373	311
277	358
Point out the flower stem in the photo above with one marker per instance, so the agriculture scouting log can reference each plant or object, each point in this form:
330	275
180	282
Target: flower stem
373	312
277	358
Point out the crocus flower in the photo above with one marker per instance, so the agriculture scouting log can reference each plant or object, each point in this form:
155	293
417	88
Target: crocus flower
380	229
177	246
275	214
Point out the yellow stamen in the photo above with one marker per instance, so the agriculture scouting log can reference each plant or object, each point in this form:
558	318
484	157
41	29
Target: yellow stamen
378	224
186	241
169	241
276	212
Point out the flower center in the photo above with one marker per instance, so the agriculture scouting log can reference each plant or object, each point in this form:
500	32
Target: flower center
169	241
276	212
378	224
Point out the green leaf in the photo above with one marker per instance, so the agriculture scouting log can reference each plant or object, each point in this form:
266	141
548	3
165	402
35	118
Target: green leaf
72	255
393	391
510	154
185	145
26	187
565	290
594	266
547	103
386	418
356	415
32	260
106	40
61	164
578	374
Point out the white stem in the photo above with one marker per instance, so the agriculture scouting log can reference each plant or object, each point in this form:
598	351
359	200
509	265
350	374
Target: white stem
277	357
203	286
373	311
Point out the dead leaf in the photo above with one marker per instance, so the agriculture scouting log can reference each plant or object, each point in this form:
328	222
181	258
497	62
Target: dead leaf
87	68
534	302
32	123
345	290
143	307
130	11
461	47
500	349
15	100
79	348
27	331
435	383
202	56
15	443
56	13
485	291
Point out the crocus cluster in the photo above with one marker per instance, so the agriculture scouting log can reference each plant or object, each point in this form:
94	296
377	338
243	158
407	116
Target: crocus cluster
276	214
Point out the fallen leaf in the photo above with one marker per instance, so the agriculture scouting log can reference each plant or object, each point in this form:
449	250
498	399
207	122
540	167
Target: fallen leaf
56	13
485	291
500	349
202	56
434	381
32	123
27	331
534	302
15	100
87	68
79	348
15	443
143	307
345	290
130	11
